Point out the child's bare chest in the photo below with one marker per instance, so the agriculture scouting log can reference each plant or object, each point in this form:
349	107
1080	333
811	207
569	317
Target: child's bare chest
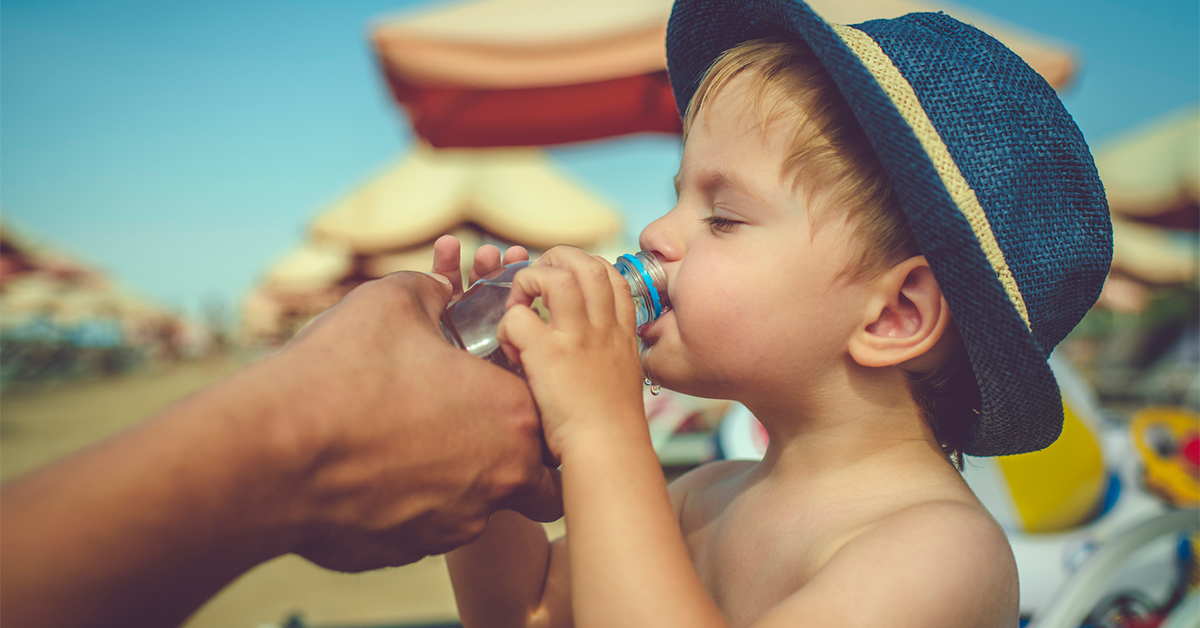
750	558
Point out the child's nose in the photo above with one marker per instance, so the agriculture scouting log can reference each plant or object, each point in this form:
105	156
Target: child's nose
660	237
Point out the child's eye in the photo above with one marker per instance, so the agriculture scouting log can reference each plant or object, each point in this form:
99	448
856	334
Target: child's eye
724	225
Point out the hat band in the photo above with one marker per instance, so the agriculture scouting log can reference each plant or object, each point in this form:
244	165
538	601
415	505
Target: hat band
905	100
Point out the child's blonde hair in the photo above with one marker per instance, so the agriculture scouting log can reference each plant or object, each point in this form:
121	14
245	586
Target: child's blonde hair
829	157
832	162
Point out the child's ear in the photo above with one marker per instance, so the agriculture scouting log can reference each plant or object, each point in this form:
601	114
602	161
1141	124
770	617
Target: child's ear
905	316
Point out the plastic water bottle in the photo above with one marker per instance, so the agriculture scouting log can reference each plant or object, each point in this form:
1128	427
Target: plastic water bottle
470	322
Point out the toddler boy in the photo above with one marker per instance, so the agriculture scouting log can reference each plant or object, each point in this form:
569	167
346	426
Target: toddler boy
881	232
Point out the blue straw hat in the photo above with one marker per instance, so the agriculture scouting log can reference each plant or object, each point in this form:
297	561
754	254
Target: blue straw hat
999	188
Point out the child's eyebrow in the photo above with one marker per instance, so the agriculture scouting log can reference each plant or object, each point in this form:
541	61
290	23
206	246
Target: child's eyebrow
710	181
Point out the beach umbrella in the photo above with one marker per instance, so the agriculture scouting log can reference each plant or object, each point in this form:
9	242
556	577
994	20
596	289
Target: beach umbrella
28	297
260	315
15	259
310	267
420	257
500	196
1151	176
1152	173
540	72
516	194
1153	254
24	254
42	296
81	305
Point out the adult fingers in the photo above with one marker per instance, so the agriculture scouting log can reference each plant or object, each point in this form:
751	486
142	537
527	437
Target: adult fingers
447	251
515	254
487	259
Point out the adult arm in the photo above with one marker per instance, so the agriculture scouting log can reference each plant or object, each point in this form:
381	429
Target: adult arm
368	441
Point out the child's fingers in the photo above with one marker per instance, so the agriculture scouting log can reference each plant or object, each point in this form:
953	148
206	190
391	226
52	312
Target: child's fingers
446	251
625	314
592	275
559	291
487	259
518	330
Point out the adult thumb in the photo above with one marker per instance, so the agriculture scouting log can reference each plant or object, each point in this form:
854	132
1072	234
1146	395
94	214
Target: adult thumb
432	292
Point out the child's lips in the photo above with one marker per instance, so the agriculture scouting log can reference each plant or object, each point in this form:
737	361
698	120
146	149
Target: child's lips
651	332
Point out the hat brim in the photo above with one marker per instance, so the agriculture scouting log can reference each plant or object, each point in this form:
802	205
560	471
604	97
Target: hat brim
1021	407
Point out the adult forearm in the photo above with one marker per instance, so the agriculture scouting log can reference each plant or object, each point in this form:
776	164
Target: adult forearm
143	528
629	563
500	578
352	447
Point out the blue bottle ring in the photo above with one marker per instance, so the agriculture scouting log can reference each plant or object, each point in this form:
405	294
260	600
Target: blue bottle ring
637	263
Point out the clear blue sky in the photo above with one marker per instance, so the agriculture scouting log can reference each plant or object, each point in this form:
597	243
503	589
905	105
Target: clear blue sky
183	147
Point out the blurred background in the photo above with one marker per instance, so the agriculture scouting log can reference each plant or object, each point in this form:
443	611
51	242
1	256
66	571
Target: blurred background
184	186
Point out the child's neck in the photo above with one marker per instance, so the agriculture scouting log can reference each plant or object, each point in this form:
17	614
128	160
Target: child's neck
856	417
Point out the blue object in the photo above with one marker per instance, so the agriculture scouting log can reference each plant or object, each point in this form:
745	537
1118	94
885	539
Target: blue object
648	280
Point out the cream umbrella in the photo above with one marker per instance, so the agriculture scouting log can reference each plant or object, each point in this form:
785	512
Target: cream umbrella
520	196
82	305
27	297
420	258
411	201
1151	175
1155	167
1157	256
515	193
261	316
310	267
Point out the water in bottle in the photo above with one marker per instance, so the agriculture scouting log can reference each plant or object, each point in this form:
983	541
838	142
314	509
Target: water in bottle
470	322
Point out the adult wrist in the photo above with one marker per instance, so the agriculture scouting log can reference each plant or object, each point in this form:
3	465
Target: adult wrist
266	451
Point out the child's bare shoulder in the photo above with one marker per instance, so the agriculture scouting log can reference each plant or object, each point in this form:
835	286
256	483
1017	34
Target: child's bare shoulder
941	562
950	533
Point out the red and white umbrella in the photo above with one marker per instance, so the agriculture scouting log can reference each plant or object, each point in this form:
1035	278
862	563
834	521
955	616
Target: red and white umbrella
540	72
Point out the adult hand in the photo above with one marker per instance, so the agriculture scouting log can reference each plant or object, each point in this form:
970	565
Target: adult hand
418	442
368	441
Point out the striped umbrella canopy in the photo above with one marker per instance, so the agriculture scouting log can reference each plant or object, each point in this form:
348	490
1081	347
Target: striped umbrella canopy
541	72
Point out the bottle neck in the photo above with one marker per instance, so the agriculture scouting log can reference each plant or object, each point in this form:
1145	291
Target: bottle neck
647	284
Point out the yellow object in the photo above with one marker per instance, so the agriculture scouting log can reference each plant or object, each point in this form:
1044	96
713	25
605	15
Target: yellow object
1059	487
1168	474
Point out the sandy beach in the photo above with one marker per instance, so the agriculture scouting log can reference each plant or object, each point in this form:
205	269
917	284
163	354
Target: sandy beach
40	425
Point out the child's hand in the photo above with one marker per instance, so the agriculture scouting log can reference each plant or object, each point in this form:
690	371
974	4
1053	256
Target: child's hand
446	255
583	364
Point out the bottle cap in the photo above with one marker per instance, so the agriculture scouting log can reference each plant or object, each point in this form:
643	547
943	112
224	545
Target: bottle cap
637	263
